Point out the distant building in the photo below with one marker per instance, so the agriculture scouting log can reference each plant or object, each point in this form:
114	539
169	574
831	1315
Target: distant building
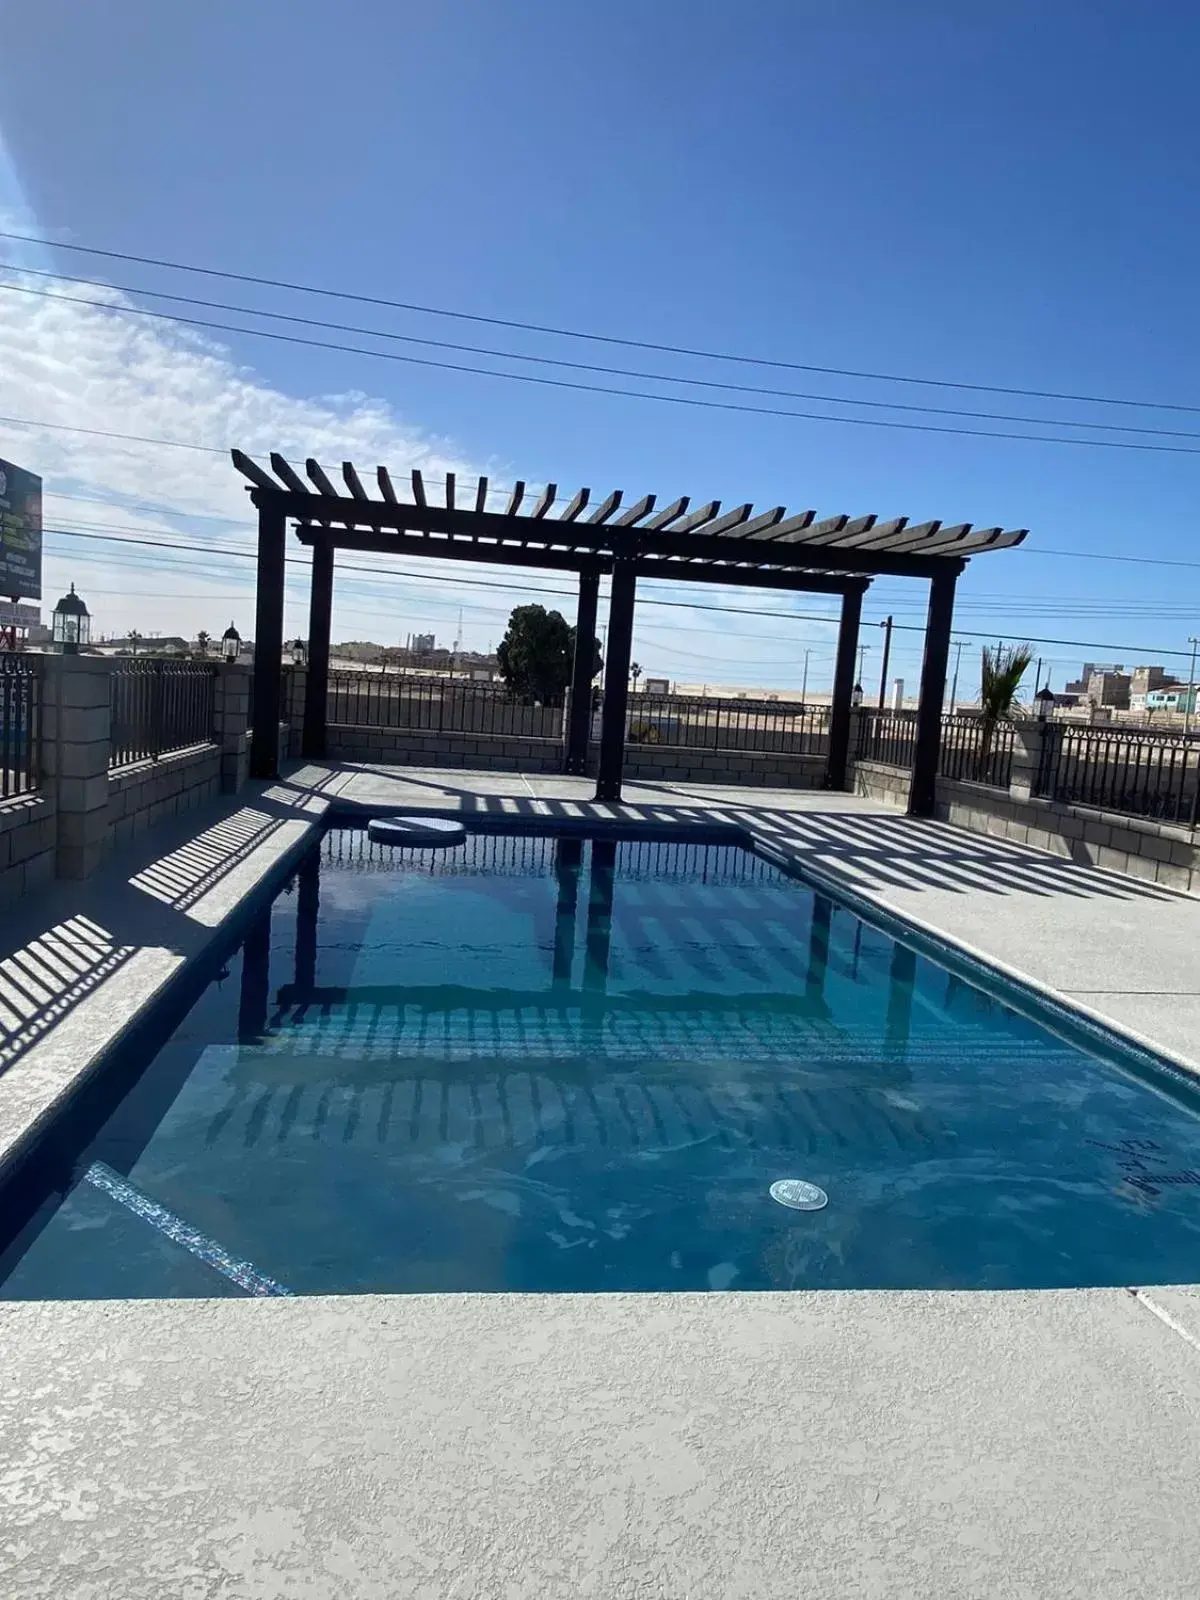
1145	681
1181	698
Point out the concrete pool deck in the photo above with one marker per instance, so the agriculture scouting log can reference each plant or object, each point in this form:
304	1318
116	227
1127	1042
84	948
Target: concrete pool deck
871	1444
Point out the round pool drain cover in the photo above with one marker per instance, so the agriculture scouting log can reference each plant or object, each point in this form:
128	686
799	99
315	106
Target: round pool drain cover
797	1194
416	831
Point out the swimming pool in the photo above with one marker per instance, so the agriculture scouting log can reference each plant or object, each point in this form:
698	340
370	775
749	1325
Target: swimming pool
549	1063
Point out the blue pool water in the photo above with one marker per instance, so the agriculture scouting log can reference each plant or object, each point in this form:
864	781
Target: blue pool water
555	1064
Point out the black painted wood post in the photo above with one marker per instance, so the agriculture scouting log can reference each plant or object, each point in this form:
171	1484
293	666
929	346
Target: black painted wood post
579	723
843	690
320	616
268	644
922	793
616	679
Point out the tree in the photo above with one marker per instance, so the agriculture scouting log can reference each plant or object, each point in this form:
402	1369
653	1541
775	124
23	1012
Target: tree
635	672
203	640
537	652
1000	677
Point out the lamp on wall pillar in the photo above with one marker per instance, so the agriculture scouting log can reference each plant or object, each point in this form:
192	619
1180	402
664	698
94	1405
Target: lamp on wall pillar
299	653
1044	701
231	643
72	623
856	696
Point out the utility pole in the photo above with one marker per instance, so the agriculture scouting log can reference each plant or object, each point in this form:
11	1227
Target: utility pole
954	684
886	625
804	683
862	651
1187	704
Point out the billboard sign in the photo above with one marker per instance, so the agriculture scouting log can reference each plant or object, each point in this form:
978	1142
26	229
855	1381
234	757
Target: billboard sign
20	533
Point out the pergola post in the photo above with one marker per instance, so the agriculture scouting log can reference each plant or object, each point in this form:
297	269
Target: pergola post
268	643
320	616
843	690
579	722
922	792
616	678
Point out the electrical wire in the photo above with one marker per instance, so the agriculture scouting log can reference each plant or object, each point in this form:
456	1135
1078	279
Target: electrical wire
601	389
600	338
585	366
1024	550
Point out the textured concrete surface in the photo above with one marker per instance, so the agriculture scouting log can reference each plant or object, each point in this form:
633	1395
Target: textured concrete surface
79	962
660	1446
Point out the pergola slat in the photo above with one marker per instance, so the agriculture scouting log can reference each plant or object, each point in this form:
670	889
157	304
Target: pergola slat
418	487
605	509
450	480
839	530
635	512
576	506
251	469
284	470
672	513
384	479
909	538
731	519
481	494
789	525
545	500
764	521
697	519
515	498
313	468
352	481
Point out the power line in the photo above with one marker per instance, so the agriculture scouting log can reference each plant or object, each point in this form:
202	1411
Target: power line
1023	550
601	338
602	389
683	605
585	366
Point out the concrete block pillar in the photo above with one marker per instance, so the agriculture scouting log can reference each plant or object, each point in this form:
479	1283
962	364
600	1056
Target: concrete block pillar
232	724
293	712
76	742
1029	743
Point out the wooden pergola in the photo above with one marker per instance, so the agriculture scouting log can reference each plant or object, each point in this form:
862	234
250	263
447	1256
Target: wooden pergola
768	550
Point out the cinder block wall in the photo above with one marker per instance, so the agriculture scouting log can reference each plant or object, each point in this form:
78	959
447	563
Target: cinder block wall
1156	852
28	834
150	791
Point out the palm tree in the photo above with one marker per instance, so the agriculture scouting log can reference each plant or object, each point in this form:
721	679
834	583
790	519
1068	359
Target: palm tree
999	683
202	642
635	673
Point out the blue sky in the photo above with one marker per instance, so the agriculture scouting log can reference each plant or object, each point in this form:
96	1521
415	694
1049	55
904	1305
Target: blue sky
991	194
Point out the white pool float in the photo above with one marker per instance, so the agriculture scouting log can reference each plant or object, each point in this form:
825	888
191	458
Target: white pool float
417	832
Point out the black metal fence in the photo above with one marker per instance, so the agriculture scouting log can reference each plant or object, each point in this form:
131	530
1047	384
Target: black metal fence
889	737
440	705
20	724
701	722
972	753
1140	774
159	706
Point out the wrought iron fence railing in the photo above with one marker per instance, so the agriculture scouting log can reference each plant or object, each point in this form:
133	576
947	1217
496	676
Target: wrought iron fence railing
704	722
159	706
20	724
889	737
375	700
973	753
1139	774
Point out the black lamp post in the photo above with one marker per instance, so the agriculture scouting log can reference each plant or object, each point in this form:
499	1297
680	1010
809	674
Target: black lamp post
72	623
1044	701
231	643
299	653
856	696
